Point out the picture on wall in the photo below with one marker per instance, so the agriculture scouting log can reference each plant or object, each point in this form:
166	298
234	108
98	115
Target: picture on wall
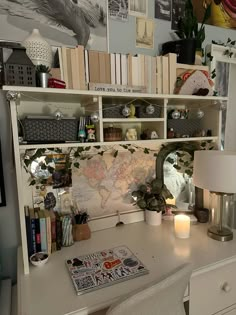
144	33
163	9
118	10
2	187
178	8
75	22
138	7
223	12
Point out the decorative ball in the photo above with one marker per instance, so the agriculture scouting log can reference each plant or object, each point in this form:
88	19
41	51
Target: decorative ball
150	109
94	117
223	105
175	114
126	111
200	113
58	115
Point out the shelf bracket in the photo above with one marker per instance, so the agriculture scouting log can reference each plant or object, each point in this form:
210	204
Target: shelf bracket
13	96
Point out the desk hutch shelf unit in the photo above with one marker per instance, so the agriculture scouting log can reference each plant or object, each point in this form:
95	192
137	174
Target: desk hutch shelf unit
39	101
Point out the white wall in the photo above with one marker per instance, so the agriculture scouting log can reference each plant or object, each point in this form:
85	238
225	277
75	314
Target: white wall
9	223
121	39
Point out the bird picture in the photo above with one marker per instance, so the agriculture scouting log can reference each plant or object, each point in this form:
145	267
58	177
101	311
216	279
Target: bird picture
77	18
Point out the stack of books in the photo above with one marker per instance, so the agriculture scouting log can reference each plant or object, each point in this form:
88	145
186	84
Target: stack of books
44	230
84	69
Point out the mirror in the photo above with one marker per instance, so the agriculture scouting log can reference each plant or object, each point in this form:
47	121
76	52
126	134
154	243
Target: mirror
174	164
177	168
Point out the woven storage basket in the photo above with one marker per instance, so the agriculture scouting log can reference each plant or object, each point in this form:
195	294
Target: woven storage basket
141	112
49	130
113	111
184	126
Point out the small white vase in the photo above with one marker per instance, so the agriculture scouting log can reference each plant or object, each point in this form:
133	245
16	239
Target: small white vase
153	217
38	49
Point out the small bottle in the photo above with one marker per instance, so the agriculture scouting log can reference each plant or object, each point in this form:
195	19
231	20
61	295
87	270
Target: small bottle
170	133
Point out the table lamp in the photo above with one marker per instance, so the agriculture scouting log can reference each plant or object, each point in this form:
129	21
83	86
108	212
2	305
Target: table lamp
215	171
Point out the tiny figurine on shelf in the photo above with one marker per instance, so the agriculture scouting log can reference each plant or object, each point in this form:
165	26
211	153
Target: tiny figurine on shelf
82	132
132	111
154	135
131	134
209	133
144	134
90	133
170	133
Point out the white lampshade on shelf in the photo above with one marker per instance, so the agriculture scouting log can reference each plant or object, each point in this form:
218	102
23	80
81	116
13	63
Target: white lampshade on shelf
215	171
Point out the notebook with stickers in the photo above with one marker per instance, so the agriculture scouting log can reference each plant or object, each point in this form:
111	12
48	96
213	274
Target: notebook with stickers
104	268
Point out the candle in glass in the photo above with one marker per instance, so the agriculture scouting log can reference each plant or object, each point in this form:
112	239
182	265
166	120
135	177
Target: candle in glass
182	226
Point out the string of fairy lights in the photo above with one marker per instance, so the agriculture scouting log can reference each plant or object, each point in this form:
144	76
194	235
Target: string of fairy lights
126	108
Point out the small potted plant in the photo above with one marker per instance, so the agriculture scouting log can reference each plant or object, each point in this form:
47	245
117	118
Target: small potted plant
191	36
188	29
42	75
151	197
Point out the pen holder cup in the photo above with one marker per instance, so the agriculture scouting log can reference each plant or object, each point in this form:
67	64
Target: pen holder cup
81	232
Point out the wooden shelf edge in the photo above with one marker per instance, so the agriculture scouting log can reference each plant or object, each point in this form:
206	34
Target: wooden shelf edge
108	94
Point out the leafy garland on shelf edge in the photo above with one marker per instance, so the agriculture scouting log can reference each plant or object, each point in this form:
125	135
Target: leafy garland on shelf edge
72	155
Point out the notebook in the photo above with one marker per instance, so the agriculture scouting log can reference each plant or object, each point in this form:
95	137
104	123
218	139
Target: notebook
104	268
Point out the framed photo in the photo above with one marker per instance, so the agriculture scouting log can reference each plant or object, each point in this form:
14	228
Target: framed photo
144	33
2	187
138	7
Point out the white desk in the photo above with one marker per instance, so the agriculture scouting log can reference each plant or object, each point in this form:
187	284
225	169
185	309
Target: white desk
49	290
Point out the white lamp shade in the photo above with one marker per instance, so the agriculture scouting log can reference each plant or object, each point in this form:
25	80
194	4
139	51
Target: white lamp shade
215	170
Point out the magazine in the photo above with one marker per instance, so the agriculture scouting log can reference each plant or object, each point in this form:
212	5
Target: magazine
104	268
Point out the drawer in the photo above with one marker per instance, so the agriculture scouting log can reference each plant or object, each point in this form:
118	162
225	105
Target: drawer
213	290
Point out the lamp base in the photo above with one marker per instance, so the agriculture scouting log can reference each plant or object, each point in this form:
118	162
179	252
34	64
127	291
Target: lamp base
222	235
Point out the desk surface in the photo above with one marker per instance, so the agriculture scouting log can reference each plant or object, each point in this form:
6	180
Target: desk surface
49	290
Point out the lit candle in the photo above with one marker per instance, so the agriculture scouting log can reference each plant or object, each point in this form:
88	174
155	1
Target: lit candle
182	226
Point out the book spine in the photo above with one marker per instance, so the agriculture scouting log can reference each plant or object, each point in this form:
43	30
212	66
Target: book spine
118	70
2	81
32	222
43	234
81	66
53	234
113	68
37	233
124	69
58	232
86	59
29	233
49	236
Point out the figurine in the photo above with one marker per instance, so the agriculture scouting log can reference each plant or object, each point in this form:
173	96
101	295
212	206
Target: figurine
154	135
90	133
131	134
132	111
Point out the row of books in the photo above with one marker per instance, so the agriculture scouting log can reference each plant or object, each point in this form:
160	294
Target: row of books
85	69
44	230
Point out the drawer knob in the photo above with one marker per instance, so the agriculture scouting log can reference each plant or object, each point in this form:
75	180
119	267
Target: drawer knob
226	287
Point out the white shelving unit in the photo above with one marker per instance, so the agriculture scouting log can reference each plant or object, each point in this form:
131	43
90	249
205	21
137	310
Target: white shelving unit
38	101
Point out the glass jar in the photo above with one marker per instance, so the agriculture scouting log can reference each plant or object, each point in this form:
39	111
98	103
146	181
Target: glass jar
227	212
